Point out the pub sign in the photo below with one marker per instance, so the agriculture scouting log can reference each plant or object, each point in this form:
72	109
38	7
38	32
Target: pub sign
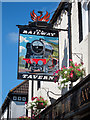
37	54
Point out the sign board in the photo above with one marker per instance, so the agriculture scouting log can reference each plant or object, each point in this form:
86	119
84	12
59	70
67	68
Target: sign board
38	54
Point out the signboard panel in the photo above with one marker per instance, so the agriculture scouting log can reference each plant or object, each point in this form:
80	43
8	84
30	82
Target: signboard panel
38	54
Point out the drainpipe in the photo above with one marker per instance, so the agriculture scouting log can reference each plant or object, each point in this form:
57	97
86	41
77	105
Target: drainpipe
69	36
69	31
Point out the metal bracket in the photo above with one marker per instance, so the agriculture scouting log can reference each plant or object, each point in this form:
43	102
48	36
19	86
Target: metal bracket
53	93
77	54
50	91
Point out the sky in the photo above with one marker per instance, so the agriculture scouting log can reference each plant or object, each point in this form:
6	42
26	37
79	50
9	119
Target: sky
16	13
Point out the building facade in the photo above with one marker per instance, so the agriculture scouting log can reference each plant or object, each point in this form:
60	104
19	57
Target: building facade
73	22
14	104
74	44
75	17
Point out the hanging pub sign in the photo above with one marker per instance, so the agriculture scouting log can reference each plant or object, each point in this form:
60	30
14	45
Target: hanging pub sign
38	54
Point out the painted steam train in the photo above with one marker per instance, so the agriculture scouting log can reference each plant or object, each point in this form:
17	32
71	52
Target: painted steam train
38	56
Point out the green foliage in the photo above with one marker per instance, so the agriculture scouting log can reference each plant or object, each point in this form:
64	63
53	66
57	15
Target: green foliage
21	58
36	100
55	46
34	105
72	73
21	65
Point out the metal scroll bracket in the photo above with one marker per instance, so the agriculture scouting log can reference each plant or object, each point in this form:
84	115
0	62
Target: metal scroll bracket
79	55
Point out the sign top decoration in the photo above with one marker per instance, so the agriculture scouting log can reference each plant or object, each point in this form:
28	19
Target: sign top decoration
34	17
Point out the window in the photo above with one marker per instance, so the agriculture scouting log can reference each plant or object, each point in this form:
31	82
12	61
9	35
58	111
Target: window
23	98
19	98
80	22
89	16
14	97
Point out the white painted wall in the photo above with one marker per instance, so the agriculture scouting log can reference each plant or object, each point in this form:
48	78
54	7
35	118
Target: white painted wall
29	96
62	23
63	41
17	109
49	86
42	91
4	115
81	47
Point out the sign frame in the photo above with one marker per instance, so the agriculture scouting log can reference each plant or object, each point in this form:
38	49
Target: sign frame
37	29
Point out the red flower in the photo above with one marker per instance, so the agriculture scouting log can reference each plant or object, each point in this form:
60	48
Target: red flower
41	103
78	69
55	81
57	71
71	75
33	117
39	116
70	67
61	68
70	59
82	63
25	102
37	99
76	64
53	73
33	98
55	78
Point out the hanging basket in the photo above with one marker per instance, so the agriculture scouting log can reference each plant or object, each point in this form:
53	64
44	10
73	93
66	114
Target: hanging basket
74	78
40	106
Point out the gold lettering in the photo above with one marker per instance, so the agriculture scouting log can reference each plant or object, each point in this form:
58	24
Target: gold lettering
79	100
83	96
86	93
62	108
69	105
66	107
